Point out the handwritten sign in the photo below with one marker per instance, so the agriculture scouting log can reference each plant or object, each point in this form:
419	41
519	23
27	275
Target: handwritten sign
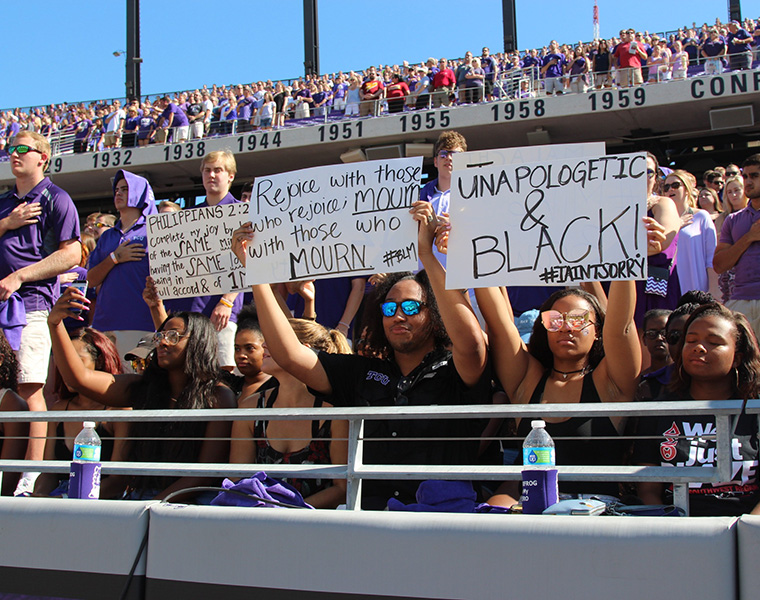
334	221
189	251
525	154
556	222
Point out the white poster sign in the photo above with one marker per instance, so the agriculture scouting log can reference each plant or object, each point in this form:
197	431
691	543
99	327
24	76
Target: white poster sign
342	220
189	251
557	222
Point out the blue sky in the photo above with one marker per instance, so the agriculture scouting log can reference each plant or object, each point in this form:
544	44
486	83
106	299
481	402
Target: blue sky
67	53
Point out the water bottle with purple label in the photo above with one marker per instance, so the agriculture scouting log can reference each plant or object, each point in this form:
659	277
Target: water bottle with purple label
84	476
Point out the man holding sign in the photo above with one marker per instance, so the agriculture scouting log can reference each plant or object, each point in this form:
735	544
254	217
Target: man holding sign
424	346
218	170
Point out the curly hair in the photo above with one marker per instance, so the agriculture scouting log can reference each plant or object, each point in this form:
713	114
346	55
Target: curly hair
375	343
449	140
101	349
8	365
539	339
747	383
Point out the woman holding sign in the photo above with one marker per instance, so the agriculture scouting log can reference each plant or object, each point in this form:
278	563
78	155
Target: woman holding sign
576	354
119	264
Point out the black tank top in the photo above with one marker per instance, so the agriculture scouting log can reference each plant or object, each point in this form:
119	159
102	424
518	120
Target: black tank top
581	451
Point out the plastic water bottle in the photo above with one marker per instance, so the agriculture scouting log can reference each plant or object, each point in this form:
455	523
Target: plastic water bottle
538	447
87	444
84	475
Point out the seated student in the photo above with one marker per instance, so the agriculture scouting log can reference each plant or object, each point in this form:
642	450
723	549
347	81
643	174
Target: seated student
716	359
13	435
182	373
423	346
97	353
296	442
249	356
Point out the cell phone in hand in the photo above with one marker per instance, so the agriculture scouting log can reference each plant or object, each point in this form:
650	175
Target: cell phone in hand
82	287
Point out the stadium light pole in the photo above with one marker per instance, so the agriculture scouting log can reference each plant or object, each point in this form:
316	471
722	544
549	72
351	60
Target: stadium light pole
310	37
133	50
509	20
734	10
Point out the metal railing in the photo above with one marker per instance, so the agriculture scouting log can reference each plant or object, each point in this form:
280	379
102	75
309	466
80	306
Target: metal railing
355	470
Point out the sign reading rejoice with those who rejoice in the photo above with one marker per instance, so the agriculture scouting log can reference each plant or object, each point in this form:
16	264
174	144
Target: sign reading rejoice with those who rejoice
557	222
334	221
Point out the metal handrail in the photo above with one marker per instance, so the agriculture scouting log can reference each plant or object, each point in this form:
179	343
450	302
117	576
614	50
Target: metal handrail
355	470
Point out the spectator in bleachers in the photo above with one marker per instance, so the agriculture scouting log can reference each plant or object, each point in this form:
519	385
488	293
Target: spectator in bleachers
475	79
654	331
552	68
443	85
628	56
577	71
280	97
491	69
303	101
690	43
396	94
114	124
717	359
182	373
372	91
82	131
97	353
244	109
421	95
602	63
713	49
679	61
461	73
119	264
173	121
218	170
739	248
738	42
735	201
195	116
714	180
320	99
131	123
708	200
696	239
34	214
296	442
168	206
13	435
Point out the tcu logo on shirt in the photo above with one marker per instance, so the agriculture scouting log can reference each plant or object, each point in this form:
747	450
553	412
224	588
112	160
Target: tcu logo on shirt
379	377
668	447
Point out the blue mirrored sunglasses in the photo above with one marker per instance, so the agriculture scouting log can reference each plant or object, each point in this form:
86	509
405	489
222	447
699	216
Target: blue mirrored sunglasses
408	307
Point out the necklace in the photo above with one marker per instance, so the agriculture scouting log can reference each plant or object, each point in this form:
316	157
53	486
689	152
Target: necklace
564	374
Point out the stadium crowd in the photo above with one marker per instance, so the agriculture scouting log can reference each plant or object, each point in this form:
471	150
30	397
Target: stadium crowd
688	332
632	58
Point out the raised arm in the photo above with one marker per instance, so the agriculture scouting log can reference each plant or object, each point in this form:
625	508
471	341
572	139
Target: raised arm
468	346
281	341
622	360
666	214
112	390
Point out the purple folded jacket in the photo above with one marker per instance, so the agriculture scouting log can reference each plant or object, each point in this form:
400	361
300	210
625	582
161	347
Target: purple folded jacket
437	495
263	486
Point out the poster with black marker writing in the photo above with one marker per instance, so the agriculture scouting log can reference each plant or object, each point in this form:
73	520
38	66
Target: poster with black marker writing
334	221
555	222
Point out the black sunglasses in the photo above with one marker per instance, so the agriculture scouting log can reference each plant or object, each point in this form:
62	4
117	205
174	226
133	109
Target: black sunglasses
675	185
408	307
22	149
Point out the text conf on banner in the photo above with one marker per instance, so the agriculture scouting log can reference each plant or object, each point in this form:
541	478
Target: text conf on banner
557	222
334	221
189	251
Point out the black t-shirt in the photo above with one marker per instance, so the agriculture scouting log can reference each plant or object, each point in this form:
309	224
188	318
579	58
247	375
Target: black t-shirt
688	441
361	381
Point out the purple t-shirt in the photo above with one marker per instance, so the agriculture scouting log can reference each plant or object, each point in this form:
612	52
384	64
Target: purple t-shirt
27	245
713	48
554	70
747	269
741	34
206	304
245	108
120	306
180	118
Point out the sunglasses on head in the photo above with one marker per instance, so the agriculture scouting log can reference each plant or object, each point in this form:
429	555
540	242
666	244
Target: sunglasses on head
576	320
667	186
22	149
408	307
